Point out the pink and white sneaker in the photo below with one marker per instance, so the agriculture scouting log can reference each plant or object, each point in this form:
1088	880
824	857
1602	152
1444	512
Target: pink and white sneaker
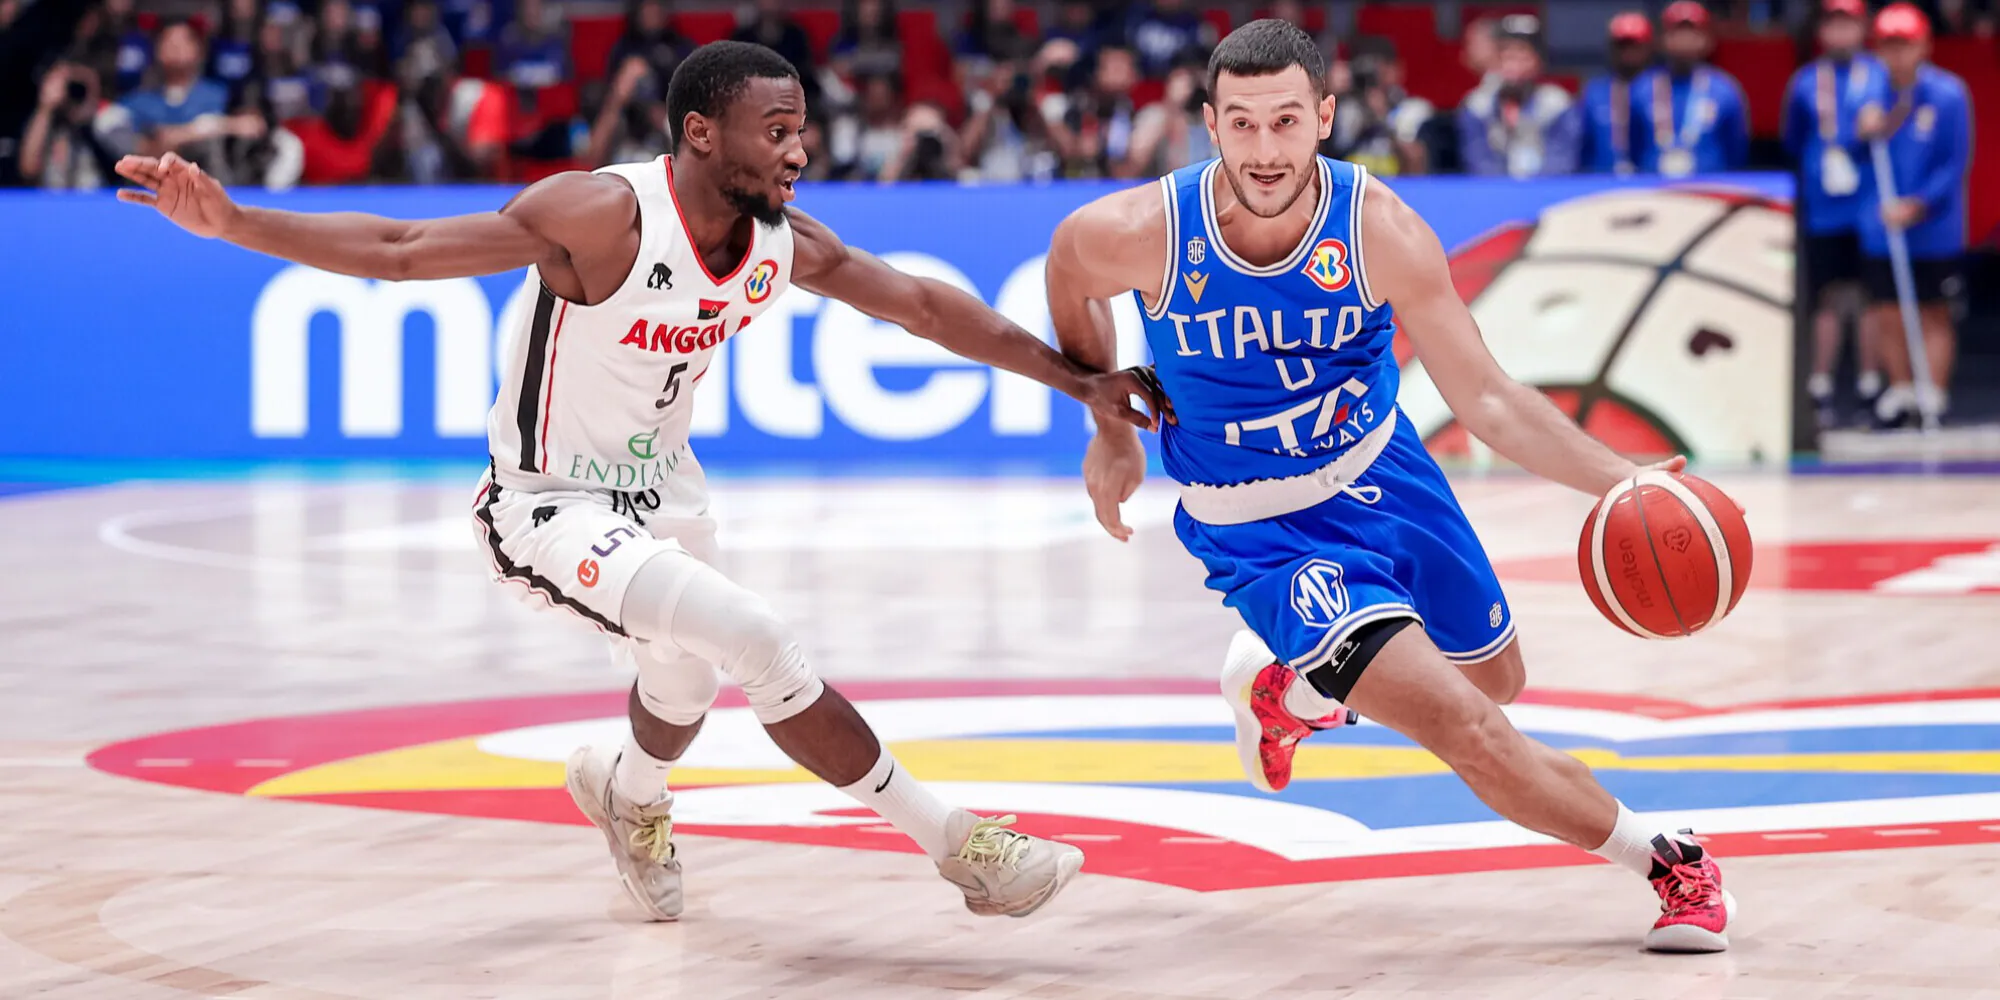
1695	910
1267	733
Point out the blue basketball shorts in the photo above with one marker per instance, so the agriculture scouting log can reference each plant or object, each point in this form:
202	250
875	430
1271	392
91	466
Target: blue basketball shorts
1304	581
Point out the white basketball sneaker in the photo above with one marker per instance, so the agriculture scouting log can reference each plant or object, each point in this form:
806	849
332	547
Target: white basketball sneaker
1001	872
641	836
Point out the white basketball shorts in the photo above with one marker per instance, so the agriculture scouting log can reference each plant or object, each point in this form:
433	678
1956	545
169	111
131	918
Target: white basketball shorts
578	550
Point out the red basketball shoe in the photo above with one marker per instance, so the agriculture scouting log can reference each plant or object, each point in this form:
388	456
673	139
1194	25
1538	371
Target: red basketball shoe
1267	733
1695	910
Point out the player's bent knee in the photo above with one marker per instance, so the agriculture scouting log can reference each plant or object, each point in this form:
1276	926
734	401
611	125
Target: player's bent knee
1500	678
767	661
675	689
678	600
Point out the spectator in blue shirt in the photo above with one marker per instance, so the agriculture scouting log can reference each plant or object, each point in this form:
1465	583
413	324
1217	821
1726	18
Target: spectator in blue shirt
1822	105
1076	22
1522	126
232	57
1692	117
1164	31
184	113
534	48
1925	115
1608	138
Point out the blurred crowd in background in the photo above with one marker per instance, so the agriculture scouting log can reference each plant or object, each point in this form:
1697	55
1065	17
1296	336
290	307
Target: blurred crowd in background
278	93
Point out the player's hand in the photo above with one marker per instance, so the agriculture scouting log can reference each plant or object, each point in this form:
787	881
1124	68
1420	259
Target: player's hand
1110	395
1679	463
1113	467
183	192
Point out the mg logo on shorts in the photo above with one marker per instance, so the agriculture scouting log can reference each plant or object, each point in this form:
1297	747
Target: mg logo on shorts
1318	593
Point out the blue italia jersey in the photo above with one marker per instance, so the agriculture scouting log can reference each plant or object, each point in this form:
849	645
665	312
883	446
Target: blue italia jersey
1276	370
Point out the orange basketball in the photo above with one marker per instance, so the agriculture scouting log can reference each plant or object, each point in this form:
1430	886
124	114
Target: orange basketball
1664	555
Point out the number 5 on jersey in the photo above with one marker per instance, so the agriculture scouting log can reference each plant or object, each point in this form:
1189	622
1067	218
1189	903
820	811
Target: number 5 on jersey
672	390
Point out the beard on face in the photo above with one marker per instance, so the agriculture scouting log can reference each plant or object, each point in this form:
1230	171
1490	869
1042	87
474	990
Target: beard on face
1243	198
768	213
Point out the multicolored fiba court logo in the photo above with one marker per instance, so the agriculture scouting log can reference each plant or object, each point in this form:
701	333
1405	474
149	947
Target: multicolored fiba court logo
1143	776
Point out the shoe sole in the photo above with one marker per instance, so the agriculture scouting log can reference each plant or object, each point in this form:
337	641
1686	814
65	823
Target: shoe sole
1687	939
1066	868
1239	676
589	803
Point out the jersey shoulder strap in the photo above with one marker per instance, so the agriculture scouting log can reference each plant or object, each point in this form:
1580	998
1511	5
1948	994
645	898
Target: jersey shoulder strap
1180	195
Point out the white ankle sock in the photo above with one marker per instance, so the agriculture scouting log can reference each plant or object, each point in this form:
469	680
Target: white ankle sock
1819	385
1305	701
1868	384
906	804
640	776
1897	399
1630	843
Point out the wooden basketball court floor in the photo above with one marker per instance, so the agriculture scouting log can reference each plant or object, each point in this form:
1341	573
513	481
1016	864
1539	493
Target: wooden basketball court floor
398	830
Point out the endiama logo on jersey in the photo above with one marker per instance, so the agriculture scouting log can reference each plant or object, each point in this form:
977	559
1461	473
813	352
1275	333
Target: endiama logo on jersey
1143	774
757	287
1327	265
662	338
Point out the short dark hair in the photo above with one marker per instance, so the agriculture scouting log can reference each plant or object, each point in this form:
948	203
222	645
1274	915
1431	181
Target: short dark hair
1267	47
716	74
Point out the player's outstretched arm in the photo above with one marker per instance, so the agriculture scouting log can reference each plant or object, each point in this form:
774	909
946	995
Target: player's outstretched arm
1107	248
537	226
961	324
1407	268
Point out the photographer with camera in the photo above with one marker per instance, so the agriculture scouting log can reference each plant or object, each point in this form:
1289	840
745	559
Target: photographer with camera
1005	139
1093	125
1375	122
1171	133
60	149
1520	125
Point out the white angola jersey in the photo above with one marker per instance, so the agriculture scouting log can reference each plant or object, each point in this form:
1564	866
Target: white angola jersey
601	397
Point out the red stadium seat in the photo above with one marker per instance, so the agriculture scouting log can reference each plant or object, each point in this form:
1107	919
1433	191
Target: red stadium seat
1763	64
1975	59
1027	22
1315	18
925	55
821	26
1977	62
1218	19
704	26
590	42
1413	27
1147	91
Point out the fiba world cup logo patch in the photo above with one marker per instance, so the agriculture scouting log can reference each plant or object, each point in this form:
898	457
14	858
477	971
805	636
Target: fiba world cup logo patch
1327	266
757	287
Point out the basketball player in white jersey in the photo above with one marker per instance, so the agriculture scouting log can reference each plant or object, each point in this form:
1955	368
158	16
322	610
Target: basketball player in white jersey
1277	490
594	503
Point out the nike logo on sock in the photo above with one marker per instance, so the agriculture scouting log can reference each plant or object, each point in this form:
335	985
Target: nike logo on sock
885	779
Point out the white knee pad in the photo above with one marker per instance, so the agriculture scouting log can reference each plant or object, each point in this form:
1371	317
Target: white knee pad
764	657
675	687
677	601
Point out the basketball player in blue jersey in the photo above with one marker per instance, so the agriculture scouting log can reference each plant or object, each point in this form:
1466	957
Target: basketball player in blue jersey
1273	281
